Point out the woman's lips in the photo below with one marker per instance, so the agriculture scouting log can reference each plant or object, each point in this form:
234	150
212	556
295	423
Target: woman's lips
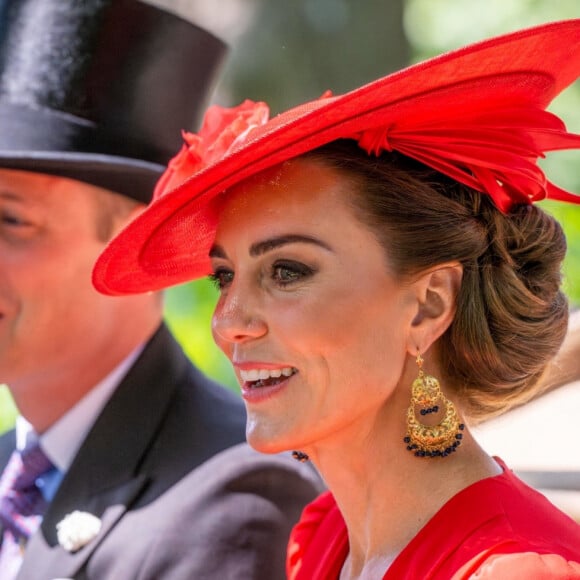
264	374
260	384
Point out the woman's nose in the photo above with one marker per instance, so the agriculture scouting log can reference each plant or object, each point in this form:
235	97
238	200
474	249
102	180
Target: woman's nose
236	319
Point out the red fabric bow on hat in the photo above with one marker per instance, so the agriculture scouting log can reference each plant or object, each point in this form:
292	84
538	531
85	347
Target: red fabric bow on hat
493	152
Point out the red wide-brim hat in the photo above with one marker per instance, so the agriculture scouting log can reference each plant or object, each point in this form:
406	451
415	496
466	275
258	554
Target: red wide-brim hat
476	114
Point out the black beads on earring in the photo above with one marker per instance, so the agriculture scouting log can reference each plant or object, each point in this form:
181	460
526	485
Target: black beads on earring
299	456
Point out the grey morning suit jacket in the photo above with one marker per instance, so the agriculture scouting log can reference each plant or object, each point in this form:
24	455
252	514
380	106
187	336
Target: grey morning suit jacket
179	494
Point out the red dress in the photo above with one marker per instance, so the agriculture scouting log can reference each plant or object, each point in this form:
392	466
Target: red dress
496	528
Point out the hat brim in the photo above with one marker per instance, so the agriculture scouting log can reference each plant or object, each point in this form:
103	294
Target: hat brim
168	243
129	177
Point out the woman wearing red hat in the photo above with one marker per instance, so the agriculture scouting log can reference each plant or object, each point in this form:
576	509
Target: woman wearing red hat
386	282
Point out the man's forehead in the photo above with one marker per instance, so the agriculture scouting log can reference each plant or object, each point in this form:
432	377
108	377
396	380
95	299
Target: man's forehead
24	187
15	177
42	194
18	184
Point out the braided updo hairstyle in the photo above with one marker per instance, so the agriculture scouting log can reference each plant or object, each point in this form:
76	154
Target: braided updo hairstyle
511	314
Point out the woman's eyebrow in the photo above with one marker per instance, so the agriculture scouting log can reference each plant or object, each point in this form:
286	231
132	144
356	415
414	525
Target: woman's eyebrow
260	248
216	252
264	246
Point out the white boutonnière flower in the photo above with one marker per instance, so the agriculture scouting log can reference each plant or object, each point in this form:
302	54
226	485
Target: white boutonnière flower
77	529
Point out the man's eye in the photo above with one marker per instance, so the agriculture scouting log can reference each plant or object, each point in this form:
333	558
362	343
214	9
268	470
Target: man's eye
285	273
12	220
221	278
15	227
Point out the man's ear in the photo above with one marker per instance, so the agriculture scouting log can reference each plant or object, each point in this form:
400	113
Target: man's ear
436	293
127	210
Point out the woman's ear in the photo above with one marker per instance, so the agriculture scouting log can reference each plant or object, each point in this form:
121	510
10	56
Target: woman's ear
436	293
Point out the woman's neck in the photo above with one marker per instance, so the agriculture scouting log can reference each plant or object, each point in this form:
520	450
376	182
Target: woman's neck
386	494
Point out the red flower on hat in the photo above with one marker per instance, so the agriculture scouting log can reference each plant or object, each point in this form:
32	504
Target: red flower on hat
223	129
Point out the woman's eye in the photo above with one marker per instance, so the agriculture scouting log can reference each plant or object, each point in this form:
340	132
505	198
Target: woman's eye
285	273
221	278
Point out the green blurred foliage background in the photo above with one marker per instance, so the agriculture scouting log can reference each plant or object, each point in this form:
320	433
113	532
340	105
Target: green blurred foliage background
288	52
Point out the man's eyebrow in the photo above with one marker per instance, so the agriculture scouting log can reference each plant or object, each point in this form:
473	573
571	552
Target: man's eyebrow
270	244
10	195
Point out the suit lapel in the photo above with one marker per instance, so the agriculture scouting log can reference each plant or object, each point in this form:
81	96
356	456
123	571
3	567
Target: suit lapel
104	478
112	504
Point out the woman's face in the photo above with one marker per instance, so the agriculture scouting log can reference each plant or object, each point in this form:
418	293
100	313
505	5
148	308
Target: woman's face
309	313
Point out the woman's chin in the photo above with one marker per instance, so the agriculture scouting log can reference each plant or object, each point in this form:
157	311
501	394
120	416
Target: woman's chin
264	442
267	447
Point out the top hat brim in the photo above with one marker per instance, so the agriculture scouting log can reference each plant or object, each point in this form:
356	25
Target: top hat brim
169	242
98	91
132	178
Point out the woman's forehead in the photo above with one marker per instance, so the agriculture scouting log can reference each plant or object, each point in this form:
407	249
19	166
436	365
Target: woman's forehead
294	183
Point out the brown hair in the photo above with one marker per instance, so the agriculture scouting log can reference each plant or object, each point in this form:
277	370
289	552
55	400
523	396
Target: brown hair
511	314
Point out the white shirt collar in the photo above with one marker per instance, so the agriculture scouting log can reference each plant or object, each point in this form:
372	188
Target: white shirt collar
63	439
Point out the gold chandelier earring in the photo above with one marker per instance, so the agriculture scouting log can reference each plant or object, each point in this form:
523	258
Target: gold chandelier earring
439	439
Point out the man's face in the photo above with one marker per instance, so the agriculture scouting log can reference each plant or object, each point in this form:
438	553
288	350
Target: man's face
51	318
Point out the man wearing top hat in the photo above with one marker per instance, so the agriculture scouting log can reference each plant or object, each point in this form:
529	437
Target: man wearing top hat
142	470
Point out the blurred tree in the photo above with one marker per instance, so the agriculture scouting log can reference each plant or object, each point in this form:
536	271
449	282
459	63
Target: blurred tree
435	26
295	51
188	313
7	410
287	52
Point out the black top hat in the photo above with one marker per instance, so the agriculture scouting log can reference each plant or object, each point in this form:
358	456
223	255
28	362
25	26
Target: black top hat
99	90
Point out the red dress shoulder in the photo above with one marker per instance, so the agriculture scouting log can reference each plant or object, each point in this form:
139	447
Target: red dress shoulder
495	528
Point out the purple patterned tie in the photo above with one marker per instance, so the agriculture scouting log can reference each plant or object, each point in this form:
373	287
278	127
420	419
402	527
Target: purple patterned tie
21	503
